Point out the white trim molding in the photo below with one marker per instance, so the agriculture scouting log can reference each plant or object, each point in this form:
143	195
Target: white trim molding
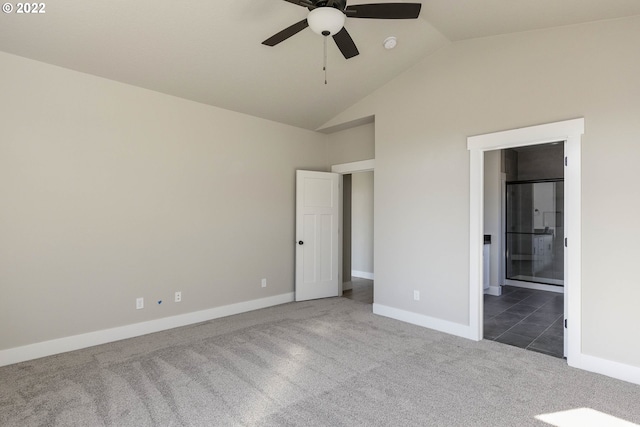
354	167
77	342
362	274
532	135
569	131
606	367
441	325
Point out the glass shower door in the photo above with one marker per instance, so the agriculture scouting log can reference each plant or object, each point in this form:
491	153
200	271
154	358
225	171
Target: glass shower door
535	232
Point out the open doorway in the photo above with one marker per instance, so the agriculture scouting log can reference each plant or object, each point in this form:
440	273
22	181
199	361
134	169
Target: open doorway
569	131
524	247
356	225
358	274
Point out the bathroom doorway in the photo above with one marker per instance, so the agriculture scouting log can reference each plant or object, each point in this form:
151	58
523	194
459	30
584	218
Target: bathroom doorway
527	311
570	132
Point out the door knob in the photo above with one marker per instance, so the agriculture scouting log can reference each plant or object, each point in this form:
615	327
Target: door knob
300	242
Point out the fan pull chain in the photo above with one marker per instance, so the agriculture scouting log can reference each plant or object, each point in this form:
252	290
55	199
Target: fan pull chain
324	63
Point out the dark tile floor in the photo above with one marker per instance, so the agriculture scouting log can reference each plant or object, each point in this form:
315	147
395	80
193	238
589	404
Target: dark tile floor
362	290
526	318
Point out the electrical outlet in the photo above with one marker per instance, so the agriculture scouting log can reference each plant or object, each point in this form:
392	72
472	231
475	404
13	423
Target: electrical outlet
264	283
416	295
139	303
178	297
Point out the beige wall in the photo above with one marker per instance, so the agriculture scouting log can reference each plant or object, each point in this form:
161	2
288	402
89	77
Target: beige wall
111	192
469	88
352	145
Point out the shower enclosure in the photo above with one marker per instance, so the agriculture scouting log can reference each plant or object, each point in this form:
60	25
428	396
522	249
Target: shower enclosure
535	231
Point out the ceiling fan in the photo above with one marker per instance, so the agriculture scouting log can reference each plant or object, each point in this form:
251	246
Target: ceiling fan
327	17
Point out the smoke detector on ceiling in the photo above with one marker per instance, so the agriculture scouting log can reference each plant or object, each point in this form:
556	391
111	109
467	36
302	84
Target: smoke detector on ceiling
390	42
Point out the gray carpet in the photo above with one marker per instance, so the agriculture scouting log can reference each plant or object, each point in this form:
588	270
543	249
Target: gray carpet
325	362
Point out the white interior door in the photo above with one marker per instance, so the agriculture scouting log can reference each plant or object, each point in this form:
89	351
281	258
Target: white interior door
317	237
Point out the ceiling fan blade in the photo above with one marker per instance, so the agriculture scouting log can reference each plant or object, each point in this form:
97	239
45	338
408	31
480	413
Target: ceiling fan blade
303	3
286	33
384	10
345	43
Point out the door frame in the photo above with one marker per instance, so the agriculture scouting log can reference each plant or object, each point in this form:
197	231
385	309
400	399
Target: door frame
354	167
346	169
569	131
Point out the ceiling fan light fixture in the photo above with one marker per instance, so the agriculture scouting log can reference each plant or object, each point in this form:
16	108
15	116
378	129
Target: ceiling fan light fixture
326	21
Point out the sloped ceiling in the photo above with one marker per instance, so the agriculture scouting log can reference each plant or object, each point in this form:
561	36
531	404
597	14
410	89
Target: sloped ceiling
211	51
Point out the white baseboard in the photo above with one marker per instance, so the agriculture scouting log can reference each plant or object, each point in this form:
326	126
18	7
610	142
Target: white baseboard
446	326
496	291
606	367
362	274
77	342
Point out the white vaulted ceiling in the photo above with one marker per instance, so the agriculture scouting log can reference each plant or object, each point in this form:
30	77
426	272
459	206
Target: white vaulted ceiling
211	51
